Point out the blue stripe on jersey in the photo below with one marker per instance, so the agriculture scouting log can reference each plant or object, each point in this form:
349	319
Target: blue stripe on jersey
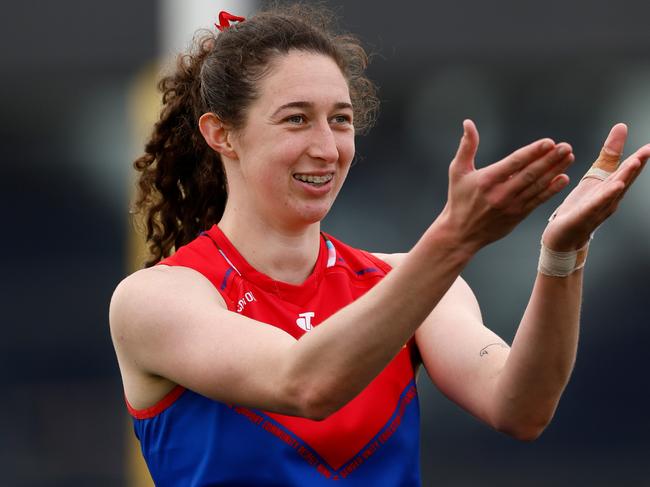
224	445
361	272
225	278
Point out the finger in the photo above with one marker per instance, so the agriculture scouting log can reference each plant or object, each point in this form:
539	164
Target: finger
610	155
619	197
542	182
631	166
615	141
464	159
604	204
519	159
630	169
595	210
606	199
605	195
643	153
536	176
557	184
643	159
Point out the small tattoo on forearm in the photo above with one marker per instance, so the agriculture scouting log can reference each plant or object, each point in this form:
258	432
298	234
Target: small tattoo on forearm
484	351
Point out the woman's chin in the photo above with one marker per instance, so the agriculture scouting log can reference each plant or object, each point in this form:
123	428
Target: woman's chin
313	214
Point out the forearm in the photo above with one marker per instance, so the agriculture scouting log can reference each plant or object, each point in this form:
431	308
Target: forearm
336	360
541	359
543	353
483	206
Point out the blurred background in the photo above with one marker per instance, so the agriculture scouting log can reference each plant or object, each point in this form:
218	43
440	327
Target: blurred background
78	94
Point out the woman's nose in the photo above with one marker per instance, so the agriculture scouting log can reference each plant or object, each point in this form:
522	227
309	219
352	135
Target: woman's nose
323	144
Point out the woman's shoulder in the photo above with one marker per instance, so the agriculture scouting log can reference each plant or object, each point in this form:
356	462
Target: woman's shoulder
163	278
458	288
392	260
142	296
159	277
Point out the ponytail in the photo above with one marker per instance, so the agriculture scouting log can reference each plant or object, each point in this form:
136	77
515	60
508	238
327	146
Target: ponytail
182	182
182	186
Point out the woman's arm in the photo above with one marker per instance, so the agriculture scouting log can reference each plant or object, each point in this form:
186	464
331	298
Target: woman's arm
514	390
170	323
544	348
517	390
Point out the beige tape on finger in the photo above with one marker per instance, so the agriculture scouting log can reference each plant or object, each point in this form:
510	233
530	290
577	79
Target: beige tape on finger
607	160
596	173
605	165
561	264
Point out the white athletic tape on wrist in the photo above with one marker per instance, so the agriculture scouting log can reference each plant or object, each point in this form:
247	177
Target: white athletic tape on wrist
561	264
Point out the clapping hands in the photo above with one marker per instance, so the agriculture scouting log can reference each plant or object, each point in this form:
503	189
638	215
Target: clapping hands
597	196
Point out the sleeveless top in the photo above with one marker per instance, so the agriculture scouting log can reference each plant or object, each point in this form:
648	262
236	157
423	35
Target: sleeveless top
190	440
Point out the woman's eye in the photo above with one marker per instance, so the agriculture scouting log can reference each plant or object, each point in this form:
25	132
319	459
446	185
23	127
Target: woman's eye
342	119
296	119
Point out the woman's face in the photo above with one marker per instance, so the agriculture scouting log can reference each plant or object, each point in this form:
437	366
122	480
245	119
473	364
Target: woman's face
298	142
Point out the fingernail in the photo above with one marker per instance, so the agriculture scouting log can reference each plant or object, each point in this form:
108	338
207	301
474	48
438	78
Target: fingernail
563	151
546	145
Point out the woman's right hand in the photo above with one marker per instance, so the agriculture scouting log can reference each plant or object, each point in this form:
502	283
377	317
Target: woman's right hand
485	204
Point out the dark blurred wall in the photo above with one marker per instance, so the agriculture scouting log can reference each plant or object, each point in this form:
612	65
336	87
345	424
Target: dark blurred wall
521	70
65	70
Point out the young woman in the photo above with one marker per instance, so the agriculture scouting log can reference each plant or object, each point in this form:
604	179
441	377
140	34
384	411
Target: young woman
265	352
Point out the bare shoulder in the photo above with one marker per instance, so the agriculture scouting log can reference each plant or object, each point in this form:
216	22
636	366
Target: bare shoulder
159	278
147	293
459	294
149	314
392	260
170	325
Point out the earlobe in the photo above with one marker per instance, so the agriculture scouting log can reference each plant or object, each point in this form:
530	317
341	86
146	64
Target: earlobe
216	135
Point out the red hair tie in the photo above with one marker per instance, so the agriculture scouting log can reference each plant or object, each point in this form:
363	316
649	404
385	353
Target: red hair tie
225	18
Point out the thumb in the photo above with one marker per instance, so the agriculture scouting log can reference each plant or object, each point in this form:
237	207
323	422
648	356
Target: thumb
464	160
610	155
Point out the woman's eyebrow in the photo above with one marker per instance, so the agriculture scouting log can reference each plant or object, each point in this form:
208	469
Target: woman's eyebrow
308	104
340	105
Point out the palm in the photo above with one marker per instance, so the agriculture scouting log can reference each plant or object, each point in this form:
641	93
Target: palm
593	200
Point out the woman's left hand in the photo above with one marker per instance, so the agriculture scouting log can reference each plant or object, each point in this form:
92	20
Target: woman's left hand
593	200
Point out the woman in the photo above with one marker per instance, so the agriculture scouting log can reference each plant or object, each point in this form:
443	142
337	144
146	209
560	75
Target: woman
264	352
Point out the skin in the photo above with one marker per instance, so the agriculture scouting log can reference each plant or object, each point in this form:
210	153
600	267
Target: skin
516	390
170	327
316	138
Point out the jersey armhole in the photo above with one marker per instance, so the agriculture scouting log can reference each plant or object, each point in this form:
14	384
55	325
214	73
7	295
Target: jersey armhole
378	262
152	411
416	358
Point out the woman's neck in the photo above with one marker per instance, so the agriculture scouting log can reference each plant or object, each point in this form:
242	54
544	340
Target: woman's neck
287	255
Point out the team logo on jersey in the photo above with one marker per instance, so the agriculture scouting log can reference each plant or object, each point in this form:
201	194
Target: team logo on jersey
304	320
244	300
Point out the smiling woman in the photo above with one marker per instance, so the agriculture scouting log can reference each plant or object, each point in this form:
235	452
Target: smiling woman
182	186
289	161
266	352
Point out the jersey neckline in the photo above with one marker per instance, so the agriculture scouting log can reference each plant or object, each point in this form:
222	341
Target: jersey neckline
242	267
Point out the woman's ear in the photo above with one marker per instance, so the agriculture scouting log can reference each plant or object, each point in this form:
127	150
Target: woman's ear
216	135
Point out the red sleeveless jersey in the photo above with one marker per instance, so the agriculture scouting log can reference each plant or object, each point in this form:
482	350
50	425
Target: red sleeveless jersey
188	439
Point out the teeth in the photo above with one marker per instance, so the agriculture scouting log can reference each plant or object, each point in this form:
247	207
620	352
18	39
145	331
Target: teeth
314	179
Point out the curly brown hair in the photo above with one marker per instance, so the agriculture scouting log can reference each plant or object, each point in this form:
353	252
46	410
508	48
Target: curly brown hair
182	185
